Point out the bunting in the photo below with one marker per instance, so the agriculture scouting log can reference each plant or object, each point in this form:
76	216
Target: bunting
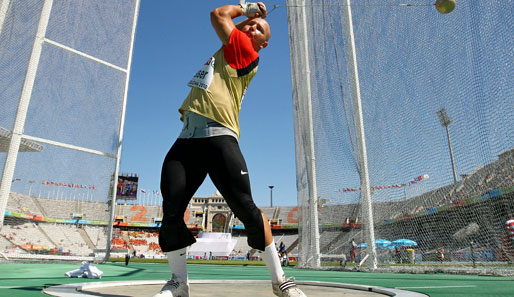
59	184
153	192
415	180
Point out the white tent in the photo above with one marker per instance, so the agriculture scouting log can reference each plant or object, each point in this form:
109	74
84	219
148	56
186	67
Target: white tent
219	244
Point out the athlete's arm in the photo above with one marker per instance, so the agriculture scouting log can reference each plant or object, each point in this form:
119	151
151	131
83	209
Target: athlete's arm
221	19
262	14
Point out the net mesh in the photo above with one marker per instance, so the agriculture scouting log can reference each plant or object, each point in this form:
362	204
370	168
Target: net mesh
59	198
412	62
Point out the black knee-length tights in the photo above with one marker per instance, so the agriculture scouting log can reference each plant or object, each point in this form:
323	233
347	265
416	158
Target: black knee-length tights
185	167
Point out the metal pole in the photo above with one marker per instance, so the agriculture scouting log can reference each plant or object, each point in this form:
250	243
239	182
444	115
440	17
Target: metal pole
446	121
472	250
31	182
311	163
23	106
4	7
120	139
451	154
271	195
361	140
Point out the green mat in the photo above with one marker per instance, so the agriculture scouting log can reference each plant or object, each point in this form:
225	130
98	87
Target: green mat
30	279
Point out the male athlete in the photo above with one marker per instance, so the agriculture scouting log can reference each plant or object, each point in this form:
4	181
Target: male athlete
208	145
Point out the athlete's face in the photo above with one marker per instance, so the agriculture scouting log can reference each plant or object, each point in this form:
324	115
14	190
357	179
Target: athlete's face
259	32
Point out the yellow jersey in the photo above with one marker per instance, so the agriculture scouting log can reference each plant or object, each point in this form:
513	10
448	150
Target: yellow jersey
219	87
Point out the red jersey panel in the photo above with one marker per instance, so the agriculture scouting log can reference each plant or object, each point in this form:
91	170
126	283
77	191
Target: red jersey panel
240	53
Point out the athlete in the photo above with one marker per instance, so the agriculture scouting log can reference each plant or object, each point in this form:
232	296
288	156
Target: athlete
353	252
208	145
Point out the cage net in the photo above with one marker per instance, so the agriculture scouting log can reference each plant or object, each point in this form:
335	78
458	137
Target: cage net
437	95
57	203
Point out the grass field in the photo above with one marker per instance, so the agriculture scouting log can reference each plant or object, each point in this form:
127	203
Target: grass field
30	279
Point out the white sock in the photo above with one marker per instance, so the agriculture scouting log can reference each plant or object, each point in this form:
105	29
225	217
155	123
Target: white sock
270	257
177	262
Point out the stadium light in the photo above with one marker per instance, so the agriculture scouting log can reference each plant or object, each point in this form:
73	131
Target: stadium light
31	182
271	195
445	122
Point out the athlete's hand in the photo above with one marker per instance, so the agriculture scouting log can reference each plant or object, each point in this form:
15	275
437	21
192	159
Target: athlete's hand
254	10
264	12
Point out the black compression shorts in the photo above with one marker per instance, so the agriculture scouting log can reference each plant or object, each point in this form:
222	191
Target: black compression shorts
185	167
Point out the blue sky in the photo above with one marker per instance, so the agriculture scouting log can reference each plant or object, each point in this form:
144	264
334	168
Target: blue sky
173	39
412	61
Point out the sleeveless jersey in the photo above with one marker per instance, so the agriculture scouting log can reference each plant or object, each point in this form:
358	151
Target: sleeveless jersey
218	88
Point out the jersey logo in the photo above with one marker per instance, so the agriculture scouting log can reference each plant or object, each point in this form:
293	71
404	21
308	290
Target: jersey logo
243	172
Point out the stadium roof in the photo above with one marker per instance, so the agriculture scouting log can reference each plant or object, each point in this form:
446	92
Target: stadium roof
26	145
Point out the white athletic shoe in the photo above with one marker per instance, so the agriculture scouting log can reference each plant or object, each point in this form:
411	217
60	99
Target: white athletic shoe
175	287
287	288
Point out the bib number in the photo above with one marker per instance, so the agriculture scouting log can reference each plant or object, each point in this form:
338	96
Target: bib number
203	77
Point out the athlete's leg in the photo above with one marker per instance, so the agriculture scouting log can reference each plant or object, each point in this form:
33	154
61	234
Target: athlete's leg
182	174
229	173
270	254
227	170
268	237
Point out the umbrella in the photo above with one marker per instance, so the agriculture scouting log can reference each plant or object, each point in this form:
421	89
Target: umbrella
383	244
404	242
379	243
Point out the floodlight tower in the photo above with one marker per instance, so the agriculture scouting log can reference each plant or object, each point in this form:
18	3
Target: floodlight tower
445	122
271	195
31	182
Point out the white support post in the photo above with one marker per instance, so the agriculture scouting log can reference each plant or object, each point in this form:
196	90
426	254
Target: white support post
361	140
120	139
4	7
23	105
311	166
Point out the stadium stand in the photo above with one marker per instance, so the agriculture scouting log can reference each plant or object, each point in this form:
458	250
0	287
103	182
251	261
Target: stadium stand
339	223
26	235
8	247
5	243
145	244
94	210
337	242
283	215
58	210
118	241
97	235
22	203
289	241
139	213
67	237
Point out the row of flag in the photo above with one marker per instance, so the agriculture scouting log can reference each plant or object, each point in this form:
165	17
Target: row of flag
395	186
59	184
152	192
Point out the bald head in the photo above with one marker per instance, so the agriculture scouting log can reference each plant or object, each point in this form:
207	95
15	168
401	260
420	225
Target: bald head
258	30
